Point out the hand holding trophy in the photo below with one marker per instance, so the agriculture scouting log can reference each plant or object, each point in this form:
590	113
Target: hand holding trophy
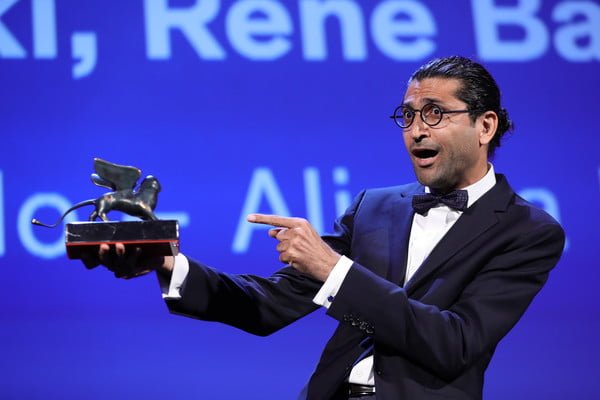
128	248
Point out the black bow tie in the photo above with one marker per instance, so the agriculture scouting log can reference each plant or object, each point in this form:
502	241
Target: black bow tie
457	200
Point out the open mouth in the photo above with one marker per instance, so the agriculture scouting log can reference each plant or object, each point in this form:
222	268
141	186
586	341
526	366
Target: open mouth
424	153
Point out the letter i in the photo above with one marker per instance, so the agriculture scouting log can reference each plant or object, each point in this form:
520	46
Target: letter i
341	176
44	28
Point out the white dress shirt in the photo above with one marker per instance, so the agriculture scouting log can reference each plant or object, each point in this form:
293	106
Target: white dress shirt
426	231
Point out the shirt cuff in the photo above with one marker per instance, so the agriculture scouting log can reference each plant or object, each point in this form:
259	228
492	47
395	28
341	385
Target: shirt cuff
332	285
171	289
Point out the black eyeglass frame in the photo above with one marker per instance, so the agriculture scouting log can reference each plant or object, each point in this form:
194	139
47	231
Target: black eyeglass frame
433	106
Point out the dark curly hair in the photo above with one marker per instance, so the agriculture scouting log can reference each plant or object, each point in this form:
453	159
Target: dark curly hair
478	90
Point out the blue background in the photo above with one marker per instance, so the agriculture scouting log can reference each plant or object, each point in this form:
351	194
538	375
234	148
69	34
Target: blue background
205	127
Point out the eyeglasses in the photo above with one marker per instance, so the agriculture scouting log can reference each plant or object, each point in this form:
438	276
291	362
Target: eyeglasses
431	114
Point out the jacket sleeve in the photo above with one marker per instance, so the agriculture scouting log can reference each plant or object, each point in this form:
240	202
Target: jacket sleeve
254	304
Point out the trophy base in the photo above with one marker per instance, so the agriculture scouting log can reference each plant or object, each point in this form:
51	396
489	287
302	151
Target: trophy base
154	238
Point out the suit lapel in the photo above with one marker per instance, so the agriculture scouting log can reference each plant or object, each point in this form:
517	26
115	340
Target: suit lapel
477	219
401	223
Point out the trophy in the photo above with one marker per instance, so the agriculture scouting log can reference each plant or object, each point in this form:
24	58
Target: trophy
152	236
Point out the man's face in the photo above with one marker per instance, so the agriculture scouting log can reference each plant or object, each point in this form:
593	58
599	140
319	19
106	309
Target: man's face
452	154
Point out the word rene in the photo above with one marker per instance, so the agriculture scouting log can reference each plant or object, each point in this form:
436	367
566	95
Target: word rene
401	30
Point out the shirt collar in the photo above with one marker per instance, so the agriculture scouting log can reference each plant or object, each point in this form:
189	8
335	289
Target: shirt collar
482	186
479	188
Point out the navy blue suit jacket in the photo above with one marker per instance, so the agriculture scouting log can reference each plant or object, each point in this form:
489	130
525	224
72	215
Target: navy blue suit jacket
433	336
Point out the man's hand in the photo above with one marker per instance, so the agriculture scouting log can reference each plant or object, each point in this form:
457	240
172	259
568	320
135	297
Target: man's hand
299	245
128	264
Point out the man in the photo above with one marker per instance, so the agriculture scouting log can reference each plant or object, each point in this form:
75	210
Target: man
423	279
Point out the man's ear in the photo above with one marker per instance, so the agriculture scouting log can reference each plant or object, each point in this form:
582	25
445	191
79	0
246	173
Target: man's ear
488	124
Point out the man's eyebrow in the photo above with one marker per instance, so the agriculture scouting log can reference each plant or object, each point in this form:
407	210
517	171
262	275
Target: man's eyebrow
433	100
426	100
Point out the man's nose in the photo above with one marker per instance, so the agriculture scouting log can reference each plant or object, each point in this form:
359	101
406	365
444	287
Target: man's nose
418	130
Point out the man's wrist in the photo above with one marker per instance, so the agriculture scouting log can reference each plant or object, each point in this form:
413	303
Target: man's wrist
334	281
166	269
330	264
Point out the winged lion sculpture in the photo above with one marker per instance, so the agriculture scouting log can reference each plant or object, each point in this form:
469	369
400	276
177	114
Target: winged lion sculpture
121	179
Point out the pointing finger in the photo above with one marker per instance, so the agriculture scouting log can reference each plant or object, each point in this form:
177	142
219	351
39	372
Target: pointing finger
275	220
